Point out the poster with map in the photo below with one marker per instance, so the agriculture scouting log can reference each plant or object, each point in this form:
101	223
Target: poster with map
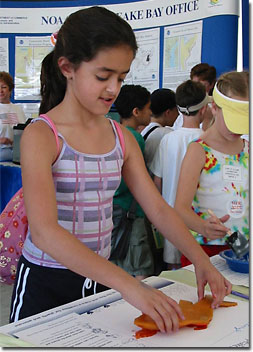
145	67
182	51
30	51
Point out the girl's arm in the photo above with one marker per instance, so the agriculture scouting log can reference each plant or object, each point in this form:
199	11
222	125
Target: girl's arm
38	151
169	223
191	168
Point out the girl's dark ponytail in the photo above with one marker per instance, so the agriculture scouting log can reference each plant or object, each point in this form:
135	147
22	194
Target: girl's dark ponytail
52	84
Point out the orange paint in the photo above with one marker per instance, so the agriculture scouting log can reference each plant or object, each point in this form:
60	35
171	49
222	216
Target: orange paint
144	333
197	315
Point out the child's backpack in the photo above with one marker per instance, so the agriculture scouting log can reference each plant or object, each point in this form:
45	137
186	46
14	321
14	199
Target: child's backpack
13	229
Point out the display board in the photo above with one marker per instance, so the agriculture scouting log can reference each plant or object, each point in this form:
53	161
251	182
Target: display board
245	34
172	36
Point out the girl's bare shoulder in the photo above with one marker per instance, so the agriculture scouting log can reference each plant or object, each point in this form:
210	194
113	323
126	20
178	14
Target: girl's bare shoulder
196	153
37	137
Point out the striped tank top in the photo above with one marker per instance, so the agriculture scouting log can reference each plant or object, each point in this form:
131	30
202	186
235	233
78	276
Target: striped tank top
85	185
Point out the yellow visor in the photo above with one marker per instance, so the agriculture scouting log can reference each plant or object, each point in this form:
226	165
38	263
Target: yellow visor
235	112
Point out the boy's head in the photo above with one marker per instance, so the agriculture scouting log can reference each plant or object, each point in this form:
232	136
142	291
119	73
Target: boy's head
205	74
134	101
163	105
161	100
191	97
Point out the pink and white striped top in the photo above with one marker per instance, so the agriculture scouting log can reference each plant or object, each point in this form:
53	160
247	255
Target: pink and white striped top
85	185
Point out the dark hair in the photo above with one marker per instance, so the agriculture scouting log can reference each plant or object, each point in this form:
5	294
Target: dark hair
83	34
205	72
7	78
130	97
161	100
190	93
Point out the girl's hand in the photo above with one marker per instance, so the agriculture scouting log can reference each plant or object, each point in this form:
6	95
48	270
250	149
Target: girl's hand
161	308
214	228
206	273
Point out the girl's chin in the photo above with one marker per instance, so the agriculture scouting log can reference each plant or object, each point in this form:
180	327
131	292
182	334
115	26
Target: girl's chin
234	136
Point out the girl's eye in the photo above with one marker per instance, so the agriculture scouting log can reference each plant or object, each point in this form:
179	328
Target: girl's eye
121	80
101	78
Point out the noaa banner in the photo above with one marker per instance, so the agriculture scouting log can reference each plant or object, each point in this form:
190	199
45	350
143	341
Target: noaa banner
141	14
172	37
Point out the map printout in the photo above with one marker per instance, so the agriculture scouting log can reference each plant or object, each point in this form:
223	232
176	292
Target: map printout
182	51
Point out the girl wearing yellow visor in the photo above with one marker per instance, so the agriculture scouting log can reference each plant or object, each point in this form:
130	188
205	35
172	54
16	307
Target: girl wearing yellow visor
215	172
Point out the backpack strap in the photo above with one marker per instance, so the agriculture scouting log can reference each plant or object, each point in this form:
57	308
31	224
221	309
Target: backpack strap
149	131
121	136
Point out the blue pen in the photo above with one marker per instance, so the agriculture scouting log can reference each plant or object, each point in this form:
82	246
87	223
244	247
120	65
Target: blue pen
239	294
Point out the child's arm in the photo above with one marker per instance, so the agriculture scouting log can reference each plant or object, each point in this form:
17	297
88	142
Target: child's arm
191	168
169	223
50	237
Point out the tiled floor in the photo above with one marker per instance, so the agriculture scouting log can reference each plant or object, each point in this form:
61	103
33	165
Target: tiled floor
5	298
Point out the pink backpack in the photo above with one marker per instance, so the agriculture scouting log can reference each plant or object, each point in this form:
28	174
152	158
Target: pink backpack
13	229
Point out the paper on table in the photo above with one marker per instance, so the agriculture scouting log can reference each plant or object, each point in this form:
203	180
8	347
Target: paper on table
112	326
220	264
79	306
73	331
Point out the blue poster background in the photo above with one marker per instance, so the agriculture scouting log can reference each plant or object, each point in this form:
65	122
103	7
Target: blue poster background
219	37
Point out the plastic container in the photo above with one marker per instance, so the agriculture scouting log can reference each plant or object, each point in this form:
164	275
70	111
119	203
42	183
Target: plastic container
17	133
235	264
